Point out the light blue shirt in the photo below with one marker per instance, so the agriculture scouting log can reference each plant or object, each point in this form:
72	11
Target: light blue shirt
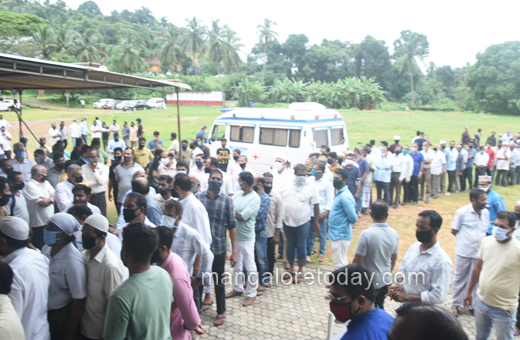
495	202
342	215
84	129
113	144
248	205
451	165
383	169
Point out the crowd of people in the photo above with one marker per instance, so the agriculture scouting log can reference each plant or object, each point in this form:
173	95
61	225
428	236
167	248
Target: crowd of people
183	212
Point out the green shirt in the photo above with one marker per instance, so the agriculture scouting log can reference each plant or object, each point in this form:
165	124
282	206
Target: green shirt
248	205
103	157
140	308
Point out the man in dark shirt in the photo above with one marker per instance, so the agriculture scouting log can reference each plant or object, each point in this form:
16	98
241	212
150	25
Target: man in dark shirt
153	175
465	136
203	147
420	141
140	130
396	144
223	155
492	139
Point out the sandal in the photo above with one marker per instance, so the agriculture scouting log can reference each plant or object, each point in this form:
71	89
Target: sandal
320	258
517	331
288	276
260	291
297	279
455	311
205	306
219	320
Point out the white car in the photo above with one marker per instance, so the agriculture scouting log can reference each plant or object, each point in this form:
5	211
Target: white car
101	103
156	103
122	104
8	104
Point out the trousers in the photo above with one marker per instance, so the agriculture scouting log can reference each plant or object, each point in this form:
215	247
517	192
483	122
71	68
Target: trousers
246	258
383	187
501	178
426	178
395	185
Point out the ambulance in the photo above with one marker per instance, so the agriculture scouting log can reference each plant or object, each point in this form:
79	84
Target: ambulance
261	133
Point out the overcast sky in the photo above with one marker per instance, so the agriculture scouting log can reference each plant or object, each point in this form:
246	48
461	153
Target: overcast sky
456	29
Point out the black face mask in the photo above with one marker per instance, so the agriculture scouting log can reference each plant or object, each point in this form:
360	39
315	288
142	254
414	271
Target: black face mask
337	183
141	146
78	179
397	152
88	242
8	171
4	200
330	160
214	186
268	190
255	188
164	192
156	257
118	159
60	166
235	158
243	166
207	170
451	147
44	178
129	215
19	186
517	216
434	149
174	193
424	236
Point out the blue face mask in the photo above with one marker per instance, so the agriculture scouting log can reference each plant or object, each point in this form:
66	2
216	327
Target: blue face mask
500	233
49	237
414	149
20	154
38	160
181	172
198	163
199	143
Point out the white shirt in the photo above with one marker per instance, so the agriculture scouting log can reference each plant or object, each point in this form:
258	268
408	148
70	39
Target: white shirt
63	195
5	123
97	180
298	203
188	244
95	128
427	156
5	142
471	230
481	159
439	160
164	170
236	185
227	184
325	193
30	291
174	146
123	226
33	192
20	207
407	168
55	135
74	130
104	275
11	327
24	167
279	179
194	153
503	164
397	165
196	216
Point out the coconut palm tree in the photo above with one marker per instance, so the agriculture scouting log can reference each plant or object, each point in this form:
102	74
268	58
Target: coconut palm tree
232	57
88	47
216	47
265	36
171	50
192	40
65	39
127	53
44	39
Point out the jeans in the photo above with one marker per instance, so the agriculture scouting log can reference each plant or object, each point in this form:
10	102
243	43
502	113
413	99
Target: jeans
84	139
395	185
297	239
322	234
486	317
478	173
383	186
219	265
261	256
73	142
414	189
280	245
451	180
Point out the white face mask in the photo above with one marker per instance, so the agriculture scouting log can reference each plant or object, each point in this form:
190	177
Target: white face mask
168	221
349	162
165	161
299	181
278	166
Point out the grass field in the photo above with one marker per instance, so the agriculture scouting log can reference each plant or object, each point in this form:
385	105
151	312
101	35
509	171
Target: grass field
362	126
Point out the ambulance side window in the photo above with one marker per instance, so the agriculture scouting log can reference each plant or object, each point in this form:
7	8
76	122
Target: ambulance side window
294	139
243	134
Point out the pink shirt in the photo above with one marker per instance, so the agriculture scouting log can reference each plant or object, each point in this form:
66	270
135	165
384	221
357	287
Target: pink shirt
184	312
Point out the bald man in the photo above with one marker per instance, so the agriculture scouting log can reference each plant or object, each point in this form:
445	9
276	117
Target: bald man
195	184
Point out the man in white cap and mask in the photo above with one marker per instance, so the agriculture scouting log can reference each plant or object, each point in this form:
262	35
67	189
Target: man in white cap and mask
392	147
281	174
30	288
104	272
68	288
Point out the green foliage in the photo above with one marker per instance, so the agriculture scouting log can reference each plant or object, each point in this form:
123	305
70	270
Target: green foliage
249	91
18	24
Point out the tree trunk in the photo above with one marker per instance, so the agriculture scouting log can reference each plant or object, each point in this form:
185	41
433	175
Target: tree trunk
195	71
220	81
265	62
411	82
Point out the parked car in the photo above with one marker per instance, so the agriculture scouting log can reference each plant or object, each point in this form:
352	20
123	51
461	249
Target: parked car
122	104
7	104
135	105
156	103
108	105
100	103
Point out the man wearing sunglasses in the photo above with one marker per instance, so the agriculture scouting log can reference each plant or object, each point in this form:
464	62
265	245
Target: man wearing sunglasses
352	296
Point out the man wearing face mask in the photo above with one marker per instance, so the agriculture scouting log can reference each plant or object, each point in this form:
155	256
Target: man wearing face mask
199	169
223	155
17	205
437	169
56	172
182	167
495	202
367	186
115	143
168	164
30	288
21	163
211	164
63	194
451	166
40	203
186	152
352	297
281	174
426	257
341	218
104	273
482	159
354	177
195	184
124	174
96	176
406	174
426	178
153	168
418	161
67	289
382	174
469	226
221	214
134	211
497	272
142	154
112	183
195	151
332	161
502	157
261	235
233	166
40	158
5	141
6	166
244	166
54	133
201	144
164	195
